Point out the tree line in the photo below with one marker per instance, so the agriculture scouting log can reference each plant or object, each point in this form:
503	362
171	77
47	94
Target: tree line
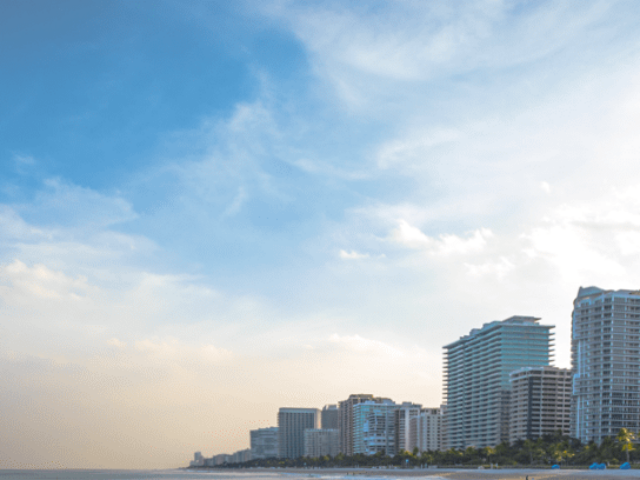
550	449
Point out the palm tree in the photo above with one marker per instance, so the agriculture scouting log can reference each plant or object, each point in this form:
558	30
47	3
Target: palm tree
488	451
625	437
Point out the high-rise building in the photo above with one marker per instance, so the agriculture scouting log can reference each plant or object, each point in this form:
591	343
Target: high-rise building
374	427
476	375
329	417
540	402
264	443
425	432
403	415
345	420
605	359
319	442
292	422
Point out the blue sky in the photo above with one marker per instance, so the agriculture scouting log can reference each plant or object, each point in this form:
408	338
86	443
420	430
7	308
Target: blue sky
210	210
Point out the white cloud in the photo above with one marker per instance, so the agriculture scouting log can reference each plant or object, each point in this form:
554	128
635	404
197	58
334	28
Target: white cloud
114	342
415	149
18	281
352	255
446	244
174	351
500	268
67	204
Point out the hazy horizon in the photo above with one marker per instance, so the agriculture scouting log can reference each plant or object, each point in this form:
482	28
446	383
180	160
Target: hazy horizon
210	210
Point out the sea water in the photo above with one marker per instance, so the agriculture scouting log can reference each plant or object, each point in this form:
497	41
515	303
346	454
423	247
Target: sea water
64	474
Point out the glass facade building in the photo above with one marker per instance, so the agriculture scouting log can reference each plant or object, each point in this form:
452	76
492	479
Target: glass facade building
374	428
476	378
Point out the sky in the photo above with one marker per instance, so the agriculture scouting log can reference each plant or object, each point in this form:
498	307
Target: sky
210	210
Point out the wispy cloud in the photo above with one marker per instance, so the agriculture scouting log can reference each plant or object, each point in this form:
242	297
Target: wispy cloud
445	244
352	255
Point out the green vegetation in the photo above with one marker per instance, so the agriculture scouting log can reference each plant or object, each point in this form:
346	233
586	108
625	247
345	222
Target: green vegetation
545	451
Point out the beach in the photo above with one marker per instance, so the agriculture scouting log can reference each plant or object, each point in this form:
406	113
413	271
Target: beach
457	474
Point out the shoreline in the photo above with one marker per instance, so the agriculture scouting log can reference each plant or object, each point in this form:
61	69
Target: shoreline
448	473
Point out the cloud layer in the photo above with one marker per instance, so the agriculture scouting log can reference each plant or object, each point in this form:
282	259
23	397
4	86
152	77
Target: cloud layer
396	174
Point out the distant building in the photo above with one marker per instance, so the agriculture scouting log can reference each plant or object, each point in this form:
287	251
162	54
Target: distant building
319	442
241	456
292	422
477	368
345	419
329	417
444	428
403	415
540	402
264	443
198	460
374	427
217	460
425	431
605	359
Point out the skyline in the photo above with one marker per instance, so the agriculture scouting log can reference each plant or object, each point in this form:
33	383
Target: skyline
207	210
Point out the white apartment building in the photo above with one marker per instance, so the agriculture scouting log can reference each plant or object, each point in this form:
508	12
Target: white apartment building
426	430
605	359
540	402
403	416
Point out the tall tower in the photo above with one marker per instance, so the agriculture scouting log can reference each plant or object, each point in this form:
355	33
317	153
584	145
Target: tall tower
605	362
476	374
292	422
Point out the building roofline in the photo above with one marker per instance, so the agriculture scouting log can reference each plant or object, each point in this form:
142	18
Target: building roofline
513	320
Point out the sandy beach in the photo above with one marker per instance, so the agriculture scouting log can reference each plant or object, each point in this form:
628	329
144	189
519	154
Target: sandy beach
462	474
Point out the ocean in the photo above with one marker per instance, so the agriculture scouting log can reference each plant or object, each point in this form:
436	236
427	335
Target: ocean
64	474
334	474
